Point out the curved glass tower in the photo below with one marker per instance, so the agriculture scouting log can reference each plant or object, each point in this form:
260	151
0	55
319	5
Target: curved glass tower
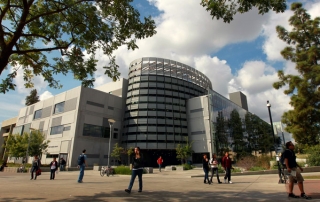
155	116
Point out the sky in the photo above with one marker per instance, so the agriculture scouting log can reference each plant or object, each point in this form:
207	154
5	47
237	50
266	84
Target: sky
243	55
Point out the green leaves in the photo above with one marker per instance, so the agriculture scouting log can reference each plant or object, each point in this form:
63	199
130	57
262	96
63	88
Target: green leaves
304	50
117	151
64	31
227	9
184	151
32	98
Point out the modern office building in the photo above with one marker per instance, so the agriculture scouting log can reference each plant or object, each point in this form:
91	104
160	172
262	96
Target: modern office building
162	104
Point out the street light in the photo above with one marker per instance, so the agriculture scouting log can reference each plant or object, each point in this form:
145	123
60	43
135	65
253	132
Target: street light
275	144
111	122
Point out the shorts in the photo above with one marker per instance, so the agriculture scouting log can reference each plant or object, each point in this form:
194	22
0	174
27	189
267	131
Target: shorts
298	176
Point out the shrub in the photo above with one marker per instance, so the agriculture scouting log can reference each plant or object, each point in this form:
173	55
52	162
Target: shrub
313	158
246	162
263	162
122	170
187	166
256	168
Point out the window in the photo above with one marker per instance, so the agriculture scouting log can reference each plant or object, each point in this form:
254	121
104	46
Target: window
56	130
95	104
51	156
37	114
58	108
111	108
96	131
115	135
66	128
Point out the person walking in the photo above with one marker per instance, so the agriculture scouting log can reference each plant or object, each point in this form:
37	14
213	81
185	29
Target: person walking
62	164
292	171
226	164
160	161
214	167
137	169
53	168
205	166
82	165
35	167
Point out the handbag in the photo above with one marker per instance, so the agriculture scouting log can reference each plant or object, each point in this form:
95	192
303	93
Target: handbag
38	172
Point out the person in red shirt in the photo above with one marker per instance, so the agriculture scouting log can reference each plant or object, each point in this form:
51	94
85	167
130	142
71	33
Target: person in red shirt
226	164
160	161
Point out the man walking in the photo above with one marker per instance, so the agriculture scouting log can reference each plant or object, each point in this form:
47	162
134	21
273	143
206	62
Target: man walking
226	164
82	164
62	164
214	167
292	171
160	161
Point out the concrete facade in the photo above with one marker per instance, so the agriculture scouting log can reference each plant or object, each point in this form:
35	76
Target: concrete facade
6	129
240	99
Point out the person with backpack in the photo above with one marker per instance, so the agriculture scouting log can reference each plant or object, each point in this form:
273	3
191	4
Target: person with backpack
160	161
53	168
35	167
214	167
293	173
82	164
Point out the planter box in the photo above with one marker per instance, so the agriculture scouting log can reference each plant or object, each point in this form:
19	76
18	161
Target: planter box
170	168
148	169
181	168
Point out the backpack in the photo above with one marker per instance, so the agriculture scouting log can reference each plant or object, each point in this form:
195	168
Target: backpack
281	160
81	160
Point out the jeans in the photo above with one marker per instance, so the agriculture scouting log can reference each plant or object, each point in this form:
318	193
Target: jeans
34	170
206	174
160	167
213	171
61	167
228	174
82	167
52	173
133	177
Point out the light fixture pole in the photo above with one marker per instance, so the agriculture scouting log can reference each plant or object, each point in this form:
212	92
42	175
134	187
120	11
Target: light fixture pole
275	144
111	122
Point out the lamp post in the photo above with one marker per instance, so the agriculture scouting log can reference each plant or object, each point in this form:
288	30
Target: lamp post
274	141
111	122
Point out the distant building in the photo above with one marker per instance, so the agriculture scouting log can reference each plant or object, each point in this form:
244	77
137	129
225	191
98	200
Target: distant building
6	129
162	104
279	129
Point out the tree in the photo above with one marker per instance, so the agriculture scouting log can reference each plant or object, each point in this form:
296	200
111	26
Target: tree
17	145
117	151
221	135
184	151
30	30
32	98
129	153
303	121
236	131
227	9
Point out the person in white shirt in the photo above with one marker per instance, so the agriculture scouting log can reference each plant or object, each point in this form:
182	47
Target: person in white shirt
214	167
53	168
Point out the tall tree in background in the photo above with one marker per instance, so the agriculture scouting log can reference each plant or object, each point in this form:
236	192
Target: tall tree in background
227	9
303	121
236	131
31	29
32	98
221	134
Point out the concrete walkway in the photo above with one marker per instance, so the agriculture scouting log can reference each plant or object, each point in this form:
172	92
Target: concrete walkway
164	186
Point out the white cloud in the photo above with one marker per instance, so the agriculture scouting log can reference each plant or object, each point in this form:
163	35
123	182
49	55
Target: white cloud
45	95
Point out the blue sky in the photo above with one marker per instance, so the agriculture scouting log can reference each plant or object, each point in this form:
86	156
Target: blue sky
243	55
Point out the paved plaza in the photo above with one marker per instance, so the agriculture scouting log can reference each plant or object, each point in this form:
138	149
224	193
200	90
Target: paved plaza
164	186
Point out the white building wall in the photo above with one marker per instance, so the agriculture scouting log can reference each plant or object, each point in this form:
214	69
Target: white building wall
199	124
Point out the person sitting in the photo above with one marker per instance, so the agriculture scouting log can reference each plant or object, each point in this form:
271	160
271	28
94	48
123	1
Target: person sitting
4	164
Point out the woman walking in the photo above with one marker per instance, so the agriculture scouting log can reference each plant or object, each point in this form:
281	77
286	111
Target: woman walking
214	168
53	168
205	165
137	169
35	167
226	164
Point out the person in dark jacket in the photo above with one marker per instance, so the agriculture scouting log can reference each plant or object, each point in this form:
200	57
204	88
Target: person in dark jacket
137	169
53	168
205	165
226	164
35	167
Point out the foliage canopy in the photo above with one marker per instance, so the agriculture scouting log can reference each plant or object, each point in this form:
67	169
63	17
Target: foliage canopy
227	9
31	29
303	121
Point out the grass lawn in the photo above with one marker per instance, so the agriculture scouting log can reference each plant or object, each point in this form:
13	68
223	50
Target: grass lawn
312	177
